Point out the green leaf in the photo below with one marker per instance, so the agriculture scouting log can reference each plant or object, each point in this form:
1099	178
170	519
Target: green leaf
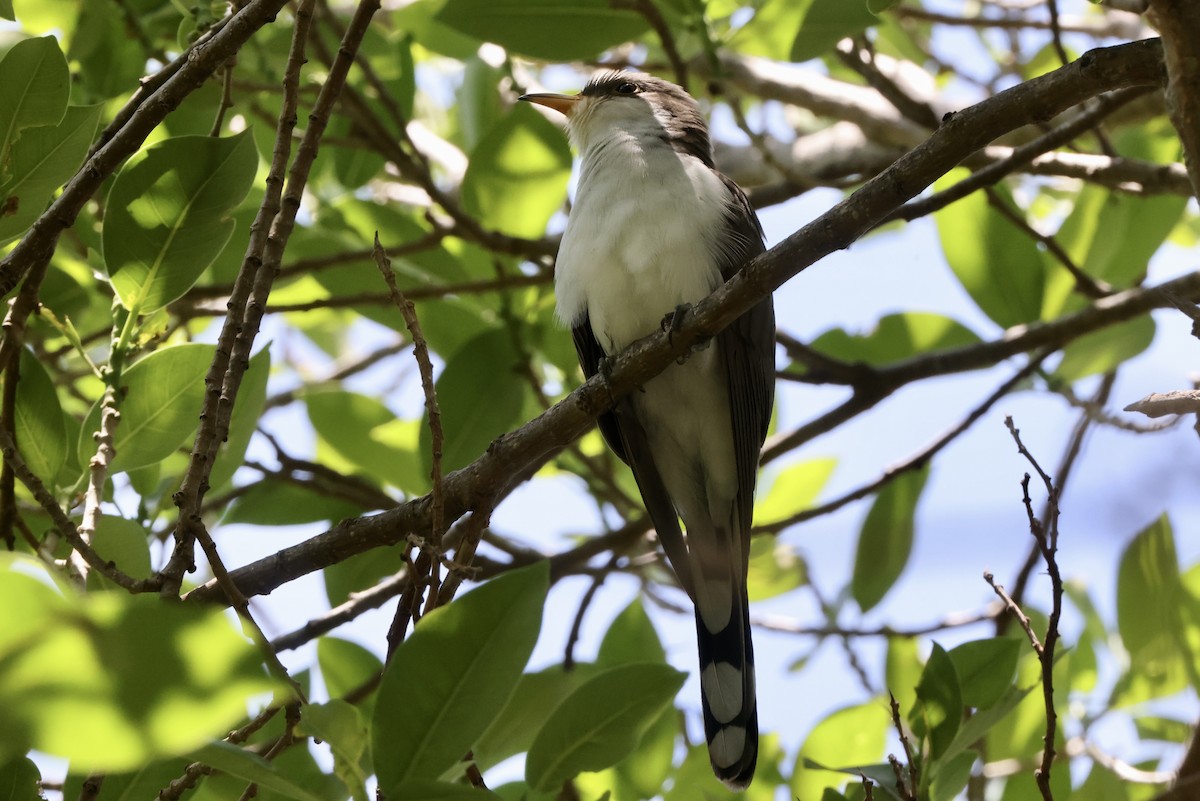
369	436
274	503
34	85
771	32
40	430
125	543
1149	602
485	367
895	337
903	671
110	681
536	696
6	10
168	215
40	162
950	776
1104	350
795	489
554	30
979	724
998	265
141	784
985	669
827	22
879	6
252	768
886	539
939	708
161	408
600	723
775	568
247	409
345	665
852	736
20	780
430	790
340	724
360	572
517	176
630	638
451	677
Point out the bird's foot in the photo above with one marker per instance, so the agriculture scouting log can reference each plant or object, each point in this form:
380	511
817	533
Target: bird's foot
673	321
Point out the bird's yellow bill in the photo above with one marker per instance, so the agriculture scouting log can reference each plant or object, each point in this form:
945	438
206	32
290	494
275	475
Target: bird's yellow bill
563	104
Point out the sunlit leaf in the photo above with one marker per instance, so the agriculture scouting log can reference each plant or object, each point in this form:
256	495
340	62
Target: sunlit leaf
34	85
168	215
998	264
39	163
517	177
851	736
895	337
795	489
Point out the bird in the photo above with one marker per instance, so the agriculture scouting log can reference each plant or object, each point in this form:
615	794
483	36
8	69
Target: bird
655	228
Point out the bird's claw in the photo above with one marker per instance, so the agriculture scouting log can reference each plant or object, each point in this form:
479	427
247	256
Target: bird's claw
673	321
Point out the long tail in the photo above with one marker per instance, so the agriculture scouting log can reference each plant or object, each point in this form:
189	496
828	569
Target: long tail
726	661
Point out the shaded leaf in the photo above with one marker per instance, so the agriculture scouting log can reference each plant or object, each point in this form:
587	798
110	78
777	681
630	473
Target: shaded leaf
630	638
536	696
485	367
251	767
160	410
555	30
828	21
939	709
1149	602
33	90
600	722
39	428
886	539
985	669
451	677
1104	350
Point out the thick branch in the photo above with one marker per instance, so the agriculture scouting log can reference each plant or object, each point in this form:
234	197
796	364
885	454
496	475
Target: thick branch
514	456
1179	21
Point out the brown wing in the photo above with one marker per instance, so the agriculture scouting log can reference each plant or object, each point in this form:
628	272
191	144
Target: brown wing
625	435
748	345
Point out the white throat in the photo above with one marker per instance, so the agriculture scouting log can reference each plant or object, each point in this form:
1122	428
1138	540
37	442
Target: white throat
644	229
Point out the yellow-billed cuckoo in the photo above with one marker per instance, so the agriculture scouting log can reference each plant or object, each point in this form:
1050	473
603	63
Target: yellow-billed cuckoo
655	227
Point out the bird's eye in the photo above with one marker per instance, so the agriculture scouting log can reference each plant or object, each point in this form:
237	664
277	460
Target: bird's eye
627	89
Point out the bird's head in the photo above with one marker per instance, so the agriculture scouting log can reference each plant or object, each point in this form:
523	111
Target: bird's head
615	104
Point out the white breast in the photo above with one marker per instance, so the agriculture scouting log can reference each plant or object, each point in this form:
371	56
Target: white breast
639	241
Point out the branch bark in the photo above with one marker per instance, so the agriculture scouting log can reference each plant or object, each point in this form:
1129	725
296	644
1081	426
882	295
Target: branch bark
516	455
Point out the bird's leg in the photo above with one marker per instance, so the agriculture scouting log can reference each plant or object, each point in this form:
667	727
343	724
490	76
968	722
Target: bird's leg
672	321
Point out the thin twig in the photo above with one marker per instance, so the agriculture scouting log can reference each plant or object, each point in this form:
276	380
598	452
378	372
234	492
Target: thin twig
437	436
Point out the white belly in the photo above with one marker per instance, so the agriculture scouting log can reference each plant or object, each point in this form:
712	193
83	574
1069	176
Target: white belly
639	243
